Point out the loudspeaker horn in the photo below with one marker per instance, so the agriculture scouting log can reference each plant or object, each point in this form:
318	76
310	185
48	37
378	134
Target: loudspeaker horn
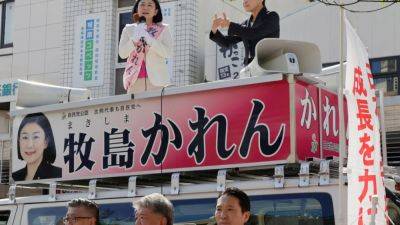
273	55
31	94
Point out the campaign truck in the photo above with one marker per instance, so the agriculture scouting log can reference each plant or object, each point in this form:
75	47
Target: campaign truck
273	134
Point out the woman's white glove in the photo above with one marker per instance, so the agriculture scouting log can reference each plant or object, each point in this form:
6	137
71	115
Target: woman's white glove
147	37
126	46
138	32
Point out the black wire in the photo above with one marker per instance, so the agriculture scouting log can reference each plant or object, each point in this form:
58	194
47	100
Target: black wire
343	5
368	11
162	120
334	3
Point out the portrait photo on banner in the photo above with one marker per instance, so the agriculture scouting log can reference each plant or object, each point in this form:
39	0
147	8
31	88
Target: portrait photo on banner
35	152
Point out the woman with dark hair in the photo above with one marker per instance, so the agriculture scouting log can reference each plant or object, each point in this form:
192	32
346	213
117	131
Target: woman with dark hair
261	24
36	147
147	43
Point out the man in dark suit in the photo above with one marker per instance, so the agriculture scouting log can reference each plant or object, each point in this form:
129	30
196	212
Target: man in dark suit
261	24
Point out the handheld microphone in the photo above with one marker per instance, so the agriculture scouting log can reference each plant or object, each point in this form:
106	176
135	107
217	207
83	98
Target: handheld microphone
138	19
142	19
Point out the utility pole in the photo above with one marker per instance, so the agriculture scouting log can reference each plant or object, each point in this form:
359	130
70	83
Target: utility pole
342	139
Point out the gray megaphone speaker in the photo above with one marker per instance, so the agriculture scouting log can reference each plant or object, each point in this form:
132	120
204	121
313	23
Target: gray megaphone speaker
273	55
31	94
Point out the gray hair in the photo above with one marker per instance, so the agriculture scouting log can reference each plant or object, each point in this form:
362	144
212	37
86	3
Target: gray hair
158	204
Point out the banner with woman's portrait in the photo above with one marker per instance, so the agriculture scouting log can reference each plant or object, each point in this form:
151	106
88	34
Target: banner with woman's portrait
211	126
187	131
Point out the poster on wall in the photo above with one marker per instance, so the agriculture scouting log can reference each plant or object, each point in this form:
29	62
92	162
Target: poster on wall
229	61
89	50
8	90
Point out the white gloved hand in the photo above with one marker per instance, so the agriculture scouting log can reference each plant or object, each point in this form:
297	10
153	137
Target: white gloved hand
141	26
135	35
137	32
148	37
129	30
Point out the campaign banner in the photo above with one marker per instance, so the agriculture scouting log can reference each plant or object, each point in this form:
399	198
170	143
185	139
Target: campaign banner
307	121
366	199
218	128
330	123
317	122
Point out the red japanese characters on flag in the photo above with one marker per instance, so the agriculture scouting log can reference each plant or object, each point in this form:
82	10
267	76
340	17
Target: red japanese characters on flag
365	175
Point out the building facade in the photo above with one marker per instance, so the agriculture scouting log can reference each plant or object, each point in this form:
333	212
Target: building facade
40	41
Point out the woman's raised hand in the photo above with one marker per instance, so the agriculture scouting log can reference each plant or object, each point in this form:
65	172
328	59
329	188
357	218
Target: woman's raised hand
129	30
225	22
220	22
138	32
215	23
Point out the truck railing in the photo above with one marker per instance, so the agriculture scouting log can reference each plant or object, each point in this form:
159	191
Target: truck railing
302	174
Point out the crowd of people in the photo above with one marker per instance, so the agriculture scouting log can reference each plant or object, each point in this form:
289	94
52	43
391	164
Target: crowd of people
232	208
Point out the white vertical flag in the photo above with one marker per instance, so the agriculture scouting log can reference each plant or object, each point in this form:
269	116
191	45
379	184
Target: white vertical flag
365	170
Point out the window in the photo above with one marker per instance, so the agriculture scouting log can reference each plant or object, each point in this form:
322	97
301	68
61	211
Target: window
124	18
5	148
288	209
393	212
119	87
386	73
4	216
125	3
6	19
393	206
116	213
44	216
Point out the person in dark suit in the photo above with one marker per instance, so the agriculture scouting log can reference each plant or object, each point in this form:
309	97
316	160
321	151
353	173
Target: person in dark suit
261	24
36	147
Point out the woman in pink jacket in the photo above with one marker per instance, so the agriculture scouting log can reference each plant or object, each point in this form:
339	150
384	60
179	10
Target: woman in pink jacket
147	43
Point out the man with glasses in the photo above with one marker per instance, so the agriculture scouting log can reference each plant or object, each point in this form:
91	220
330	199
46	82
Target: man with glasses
82	212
